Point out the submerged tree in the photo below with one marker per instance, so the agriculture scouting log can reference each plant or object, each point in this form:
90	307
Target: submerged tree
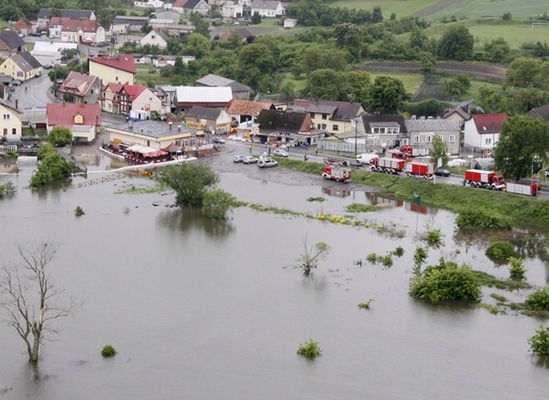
190	182
31	298
311	256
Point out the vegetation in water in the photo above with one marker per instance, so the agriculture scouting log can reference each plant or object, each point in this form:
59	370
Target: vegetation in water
366	306
399	251
60	136
79	211
538	301
506	284
311	256
539	342
190	182
491	308
446	282
309	349
52	167
499	298
358	208
317	199
473	219
7	190
217	203
500	251
108	351
517	270
387	261
372	258
420	256
434	238
132	189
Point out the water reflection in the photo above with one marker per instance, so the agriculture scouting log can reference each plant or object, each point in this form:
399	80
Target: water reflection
540	361
187	220
336	192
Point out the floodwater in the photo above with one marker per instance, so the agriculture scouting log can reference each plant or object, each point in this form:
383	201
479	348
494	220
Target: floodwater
199	309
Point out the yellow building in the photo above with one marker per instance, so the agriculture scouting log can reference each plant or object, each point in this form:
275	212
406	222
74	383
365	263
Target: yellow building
10	121
21	66
118	69
330	116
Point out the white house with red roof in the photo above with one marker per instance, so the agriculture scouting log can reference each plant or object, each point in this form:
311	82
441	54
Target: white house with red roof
82	31
137	101
189	6
118	69
482	130
84	120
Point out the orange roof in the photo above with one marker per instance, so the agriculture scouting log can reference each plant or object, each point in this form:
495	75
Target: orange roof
248	107
123	62
134	91
76	25
62	114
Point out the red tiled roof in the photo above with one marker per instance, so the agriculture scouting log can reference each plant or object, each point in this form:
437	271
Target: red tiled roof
76	25
180	3
134	91
248	107
22	23
115	87
488	123
77	84
62	114
58	21
123	62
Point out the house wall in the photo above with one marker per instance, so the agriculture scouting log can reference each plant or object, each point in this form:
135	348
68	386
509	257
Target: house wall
8	67
147	101
107	104
155	143
269	13
324	121
10	123
108	74
485	141
425	139
154	39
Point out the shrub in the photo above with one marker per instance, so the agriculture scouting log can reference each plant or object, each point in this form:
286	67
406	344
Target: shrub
433	238
79	211
372	258
216	203
446	282
539	343
7	190
60	136
310	349
516	268
420	256
387	261
366	306
319	199
190	182
477	219
538	300
52	168
108	351
399	251
311	256
500	251
357	208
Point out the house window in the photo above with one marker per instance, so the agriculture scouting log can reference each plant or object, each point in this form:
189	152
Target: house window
377	130
324	116
336	127
416	139
429	137
488	141
318	126
5	131
323	126
312	115
452	138
6	116
13	131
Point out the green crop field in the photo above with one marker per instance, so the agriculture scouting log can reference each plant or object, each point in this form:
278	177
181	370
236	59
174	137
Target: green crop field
401	8
145	77
411	82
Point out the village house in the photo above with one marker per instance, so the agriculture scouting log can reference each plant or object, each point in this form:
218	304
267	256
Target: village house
50	53
287	126
482	131
154	134
118	69
381	131
136	101
44	15
164	100
189	6
330	116
213	120
267	8
83	120
149	4
460	113
24	27
170	15
55	25
231	9
80	88
10	122
5	85
10	43
82	31
154	38
239	90
422	131
128	24
247	110
22	66
540	112
187	97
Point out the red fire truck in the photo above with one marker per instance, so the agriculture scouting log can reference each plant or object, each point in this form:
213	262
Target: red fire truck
387	165
420	169
484	179
337	174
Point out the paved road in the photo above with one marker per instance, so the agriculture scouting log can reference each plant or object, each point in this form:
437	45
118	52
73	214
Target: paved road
33	94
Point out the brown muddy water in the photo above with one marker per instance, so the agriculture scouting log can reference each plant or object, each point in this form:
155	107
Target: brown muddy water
215	310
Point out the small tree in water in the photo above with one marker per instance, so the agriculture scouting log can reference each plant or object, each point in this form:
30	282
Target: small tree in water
311	256
190	183
30	297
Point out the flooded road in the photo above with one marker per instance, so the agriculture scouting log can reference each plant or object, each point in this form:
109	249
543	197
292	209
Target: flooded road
199	309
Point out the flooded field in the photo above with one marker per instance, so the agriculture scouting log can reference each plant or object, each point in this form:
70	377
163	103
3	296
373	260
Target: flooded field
199	309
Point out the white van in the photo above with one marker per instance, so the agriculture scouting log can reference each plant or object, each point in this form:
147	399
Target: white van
366	158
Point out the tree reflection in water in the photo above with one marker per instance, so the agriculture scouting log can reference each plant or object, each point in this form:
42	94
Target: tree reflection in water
187	219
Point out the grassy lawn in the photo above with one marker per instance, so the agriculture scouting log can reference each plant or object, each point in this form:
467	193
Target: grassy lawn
411	82
475	86
144	77
484	8
401	8
299	84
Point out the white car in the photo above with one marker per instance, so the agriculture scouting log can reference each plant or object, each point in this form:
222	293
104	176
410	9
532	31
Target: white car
280	153
235	138
250	160
238	158
457	162
267	163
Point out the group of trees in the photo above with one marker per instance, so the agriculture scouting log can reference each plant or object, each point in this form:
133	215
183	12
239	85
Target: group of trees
52	167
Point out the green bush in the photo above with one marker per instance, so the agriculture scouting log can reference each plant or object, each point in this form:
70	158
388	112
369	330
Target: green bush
366	306
433	238
79	211
538	301
517	270
217	203
7	190
387	261
108	351
357	208
190	182
399	251
499	251
539	343
318	198
310	349
372	258
51	169
446	282
477	219
60	136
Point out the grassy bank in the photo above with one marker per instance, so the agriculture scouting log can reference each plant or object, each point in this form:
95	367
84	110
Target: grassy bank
517	210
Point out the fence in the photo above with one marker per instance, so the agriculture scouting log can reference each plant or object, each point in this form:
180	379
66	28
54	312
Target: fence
341	147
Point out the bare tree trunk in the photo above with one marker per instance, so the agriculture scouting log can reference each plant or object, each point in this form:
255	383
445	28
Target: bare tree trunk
33	356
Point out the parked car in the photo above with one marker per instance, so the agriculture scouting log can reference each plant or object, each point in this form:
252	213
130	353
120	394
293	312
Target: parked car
267	163
16	82
250	160
280	153
218	140
441	171
238	158
235	138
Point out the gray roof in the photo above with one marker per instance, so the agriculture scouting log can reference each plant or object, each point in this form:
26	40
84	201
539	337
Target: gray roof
26	62
341	110
265	4
463	109
11	39
540	112
432	125
73	14
131	20
191	4
214	80
154	129
379	119
208	113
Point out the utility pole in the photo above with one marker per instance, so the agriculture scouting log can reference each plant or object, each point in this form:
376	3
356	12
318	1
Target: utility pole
354	123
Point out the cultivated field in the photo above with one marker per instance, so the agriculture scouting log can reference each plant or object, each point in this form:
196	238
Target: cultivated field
401	8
